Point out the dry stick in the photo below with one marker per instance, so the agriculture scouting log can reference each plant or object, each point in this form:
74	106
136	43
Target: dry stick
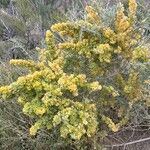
129	143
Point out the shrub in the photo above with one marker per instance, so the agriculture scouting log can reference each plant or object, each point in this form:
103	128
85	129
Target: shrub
88	82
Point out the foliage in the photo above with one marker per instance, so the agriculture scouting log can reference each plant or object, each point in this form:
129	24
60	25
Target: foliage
4	3
88	82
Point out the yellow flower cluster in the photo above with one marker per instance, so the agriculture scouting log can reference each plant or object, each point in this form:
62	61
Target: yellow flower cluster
104	51
122	22
147	82
35	107
130	86
110	34
5	90
22	100
115	127
132	8
70	82
34	128
81	47
92	15
49	37
66	45
42	55
32	81
141	54
133	87
77	121
57	65
51	52
95	86
30	64
110	123
111	91
65	29
40	110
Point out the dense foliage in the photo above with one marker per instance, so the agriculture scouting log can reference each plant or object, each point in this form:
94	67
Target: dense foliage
88	82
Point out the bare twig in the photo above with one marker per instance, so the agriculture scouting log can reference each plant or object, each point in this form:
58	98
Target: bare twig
129	143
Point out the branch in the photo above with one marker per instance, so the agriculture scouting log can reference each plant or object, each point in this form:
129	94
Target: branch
129	143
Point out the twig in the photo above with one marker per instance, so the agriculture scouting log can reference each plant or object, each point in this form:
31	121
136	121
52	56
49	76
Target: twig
129	143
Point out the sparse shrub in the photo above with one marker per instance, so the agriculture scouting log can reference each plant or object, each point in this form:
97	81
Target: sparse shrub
87	84
23	23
